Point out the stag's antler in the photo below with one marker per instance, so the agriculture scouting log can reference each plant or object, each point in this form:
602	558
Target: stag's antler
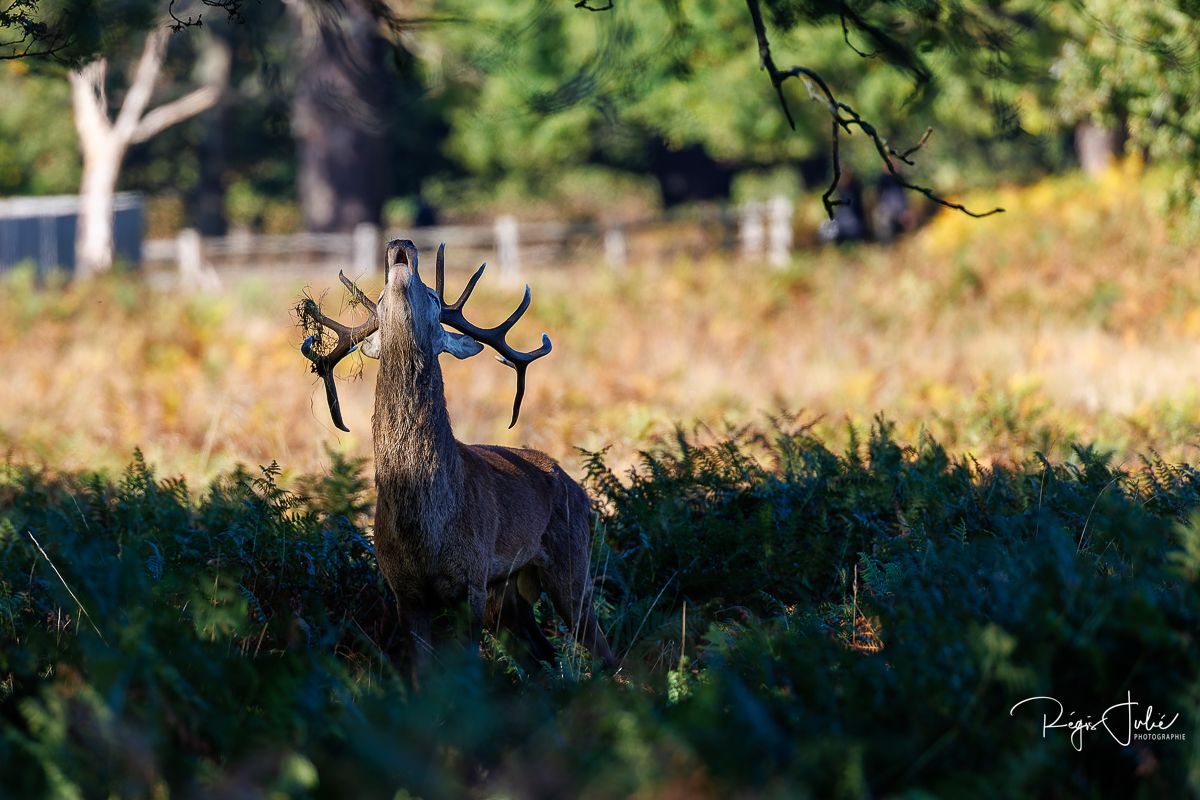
347	339
494	337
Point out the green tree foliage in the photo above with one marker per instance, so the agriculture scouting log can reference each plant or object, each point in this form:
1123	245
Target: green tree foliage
61	33
39	155
545	90
542	99
549	89
1136	65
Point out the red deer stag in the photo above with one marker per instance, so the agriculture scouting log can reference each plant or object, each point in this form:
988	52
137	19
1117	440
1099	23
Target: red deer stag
454	520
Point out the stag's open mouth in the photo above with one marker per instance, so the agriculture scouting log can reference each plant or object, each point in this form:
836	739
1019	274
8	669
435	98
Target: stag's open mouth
401	253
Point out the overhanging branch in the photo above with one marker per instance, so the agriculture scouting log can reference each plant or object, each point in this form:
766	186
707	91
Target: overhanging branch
850	44
844	119
33	36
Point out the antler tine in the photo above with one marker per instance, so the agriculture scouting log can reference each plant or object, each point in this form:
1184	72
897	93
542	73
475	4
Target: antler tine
440	271
367	302
466	293
452	315
347	339
519	366
506	326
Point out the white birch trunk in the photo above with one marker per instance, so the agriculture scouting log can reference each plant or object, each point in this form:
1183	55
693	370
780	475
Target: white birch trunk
103	141
94	225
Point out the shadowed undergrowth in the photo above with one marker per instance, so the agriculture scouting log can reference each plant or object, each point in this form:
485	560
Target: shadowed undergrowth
857	624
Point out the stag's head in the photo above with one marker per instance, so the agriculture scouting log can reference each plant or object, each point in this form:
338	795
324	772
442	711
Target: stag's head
407	322
410	313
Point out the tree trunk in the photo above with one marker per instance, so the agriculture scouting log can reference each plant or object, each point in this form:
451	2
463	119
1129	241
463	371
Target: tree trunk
339	117
94	231
208	201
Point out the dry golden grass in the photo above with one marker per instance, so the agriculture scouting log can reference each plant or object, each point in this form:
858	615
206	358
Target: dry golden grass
1074	316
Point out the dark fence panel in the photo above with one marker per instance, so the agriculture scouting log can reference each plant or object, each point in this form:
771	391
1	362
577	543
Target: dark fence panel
41	231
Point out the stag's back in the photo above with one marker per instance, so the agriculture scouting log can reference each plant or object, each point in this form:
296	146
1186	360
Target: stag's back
522	495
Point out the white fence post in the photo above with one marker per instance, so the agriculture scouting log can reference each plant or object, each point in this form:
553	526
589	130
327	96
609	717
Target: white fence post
614	248
365	254
193	274
751	231
779	211
508	252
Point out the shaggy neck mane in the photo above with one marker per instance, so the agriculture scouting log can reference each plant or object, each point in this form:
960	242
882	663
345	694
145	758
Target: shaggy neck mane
418	468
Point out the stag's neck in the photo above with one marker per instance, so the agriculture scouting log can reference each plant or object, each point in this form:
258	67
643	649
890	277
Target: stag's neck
418	468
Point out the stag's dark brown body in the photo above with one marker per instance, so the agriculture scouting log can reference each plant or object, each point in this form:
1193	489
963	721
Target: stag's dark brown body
452	520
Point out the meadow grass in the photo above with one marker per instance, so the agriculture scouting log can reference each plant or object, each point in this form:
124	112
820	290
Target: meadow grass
1075	316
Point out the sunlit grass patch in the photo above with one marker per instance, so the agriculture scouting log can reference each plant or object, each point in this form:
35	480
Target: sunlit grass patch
1017	333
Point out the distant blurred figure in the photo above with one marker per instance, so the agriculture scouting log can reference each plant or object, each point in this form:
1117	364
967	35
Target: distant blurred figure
426	214
849	221
891	215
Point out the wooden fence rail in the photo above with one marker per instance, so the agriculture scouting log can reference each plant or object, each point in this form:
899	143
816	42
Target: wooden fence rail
758	231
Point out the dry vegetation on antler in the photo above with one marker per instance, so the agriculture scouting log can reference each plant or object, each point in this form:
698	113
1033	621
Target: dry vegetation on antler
1059	320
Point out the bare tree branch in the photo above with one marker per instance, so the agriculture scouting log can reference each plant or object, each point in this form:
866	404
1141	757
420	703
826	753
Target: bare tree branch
844	119
89	100
178	23
829	196
232	8
142	86
163	117
920	143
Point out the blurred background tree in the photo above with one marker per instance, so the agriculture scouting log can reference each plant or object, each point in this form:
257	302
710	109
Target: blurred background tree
104	138
340	114
675	93
349	111
1128	77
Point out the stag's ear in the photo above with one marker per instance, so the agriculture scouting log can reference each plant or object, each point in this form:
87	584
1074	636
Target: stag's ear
458	345
370	346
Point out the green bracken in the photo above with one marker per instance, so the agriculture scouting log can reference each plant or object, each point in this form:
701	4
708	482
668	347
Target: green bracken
858	624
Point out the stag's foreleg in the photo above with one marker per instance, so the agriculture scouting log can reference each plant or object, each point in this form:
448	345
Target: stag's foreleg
417	624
